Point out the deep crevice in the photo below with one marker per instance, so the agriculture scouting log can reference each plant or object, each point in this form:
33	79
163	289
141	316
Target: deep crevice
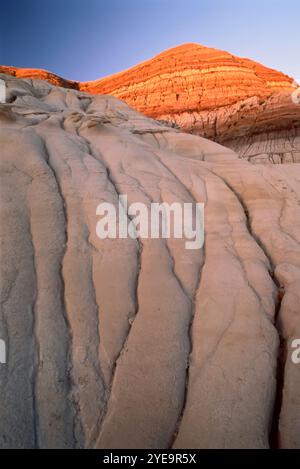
69	358
97	156
274	435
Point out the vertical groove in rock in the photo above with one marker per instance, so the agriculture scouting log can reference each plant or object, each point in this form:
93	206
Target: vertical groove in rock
62	295
274	432
96	155
36	364
174	273
180	416
282	254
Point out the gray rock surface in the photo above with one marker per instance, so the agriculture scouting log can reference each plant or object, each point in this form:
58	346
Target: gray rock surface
141	343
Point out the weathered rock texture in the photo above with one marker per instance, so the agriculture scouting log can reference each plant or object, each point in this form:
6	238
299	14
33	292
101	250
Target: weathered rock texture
141	343
209	92
39	74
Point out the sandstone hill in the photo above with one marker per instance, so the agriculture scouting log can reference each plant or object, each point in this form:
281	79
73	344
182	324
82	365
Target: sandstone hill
209	92
141	343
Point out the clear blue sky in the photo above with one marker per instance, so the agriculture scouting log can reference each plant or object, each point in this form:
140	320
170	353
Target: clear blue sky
88	39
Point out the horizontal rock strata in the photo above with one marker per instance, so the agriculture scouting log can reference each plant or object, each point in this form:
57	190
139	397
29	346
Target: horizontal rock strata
234	101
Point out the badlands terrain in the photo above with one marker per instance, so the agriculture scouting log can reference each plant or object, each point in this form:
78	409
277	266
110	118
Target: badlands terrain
209	92
141	343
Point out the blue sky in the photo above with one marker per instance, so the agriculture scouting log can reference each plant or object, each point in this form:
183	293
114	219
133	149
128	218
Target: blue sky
88	39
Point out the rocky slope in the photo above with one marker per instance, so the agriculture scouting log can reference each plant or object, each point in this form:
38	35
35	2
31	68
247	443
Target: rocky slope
39	74
209	92
141	343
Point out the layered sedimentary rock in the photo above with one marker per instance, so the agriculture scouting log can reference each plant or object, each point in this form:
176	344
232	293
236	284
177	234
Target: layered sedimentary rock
212	93
141	343
234	101
39	74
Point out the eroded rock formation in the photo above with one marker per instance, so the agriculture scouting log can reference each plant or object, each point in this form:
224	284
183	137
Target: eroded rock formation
38	74
209	92
141	343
